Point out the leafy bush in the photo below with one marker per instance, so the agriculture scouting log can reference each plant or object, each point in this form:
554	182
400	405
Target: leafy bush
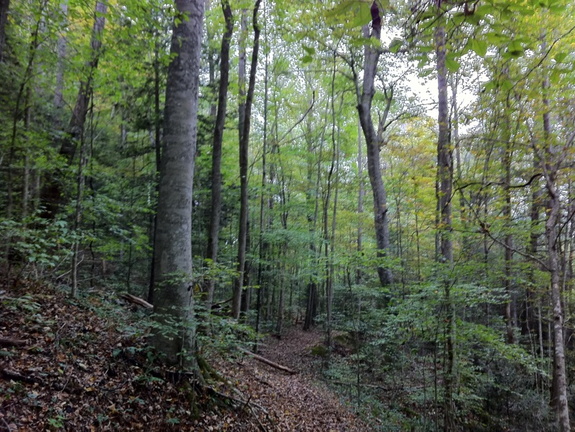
36	242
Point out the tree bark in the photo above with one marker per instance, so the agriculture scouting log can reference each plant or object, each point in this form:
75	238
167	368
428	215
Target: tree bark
373	143
173	291
445	243
244	126
552	161
510	313
312	201
216	175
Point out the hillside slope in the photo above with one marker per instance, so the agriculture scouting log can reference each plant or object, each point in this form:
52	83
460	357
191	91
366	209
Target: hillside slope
82	366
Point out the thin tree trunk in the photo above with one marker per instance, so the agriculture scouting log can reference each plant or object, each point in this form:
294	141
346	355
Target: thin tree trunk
263	245
80	183
312	201
244	125
216	176
360	200
158	154
553	160
445	253
508	239
333	177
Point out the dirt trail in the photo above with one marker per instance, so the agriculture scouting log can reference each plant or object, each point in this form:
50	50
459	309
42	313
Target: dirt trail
296	402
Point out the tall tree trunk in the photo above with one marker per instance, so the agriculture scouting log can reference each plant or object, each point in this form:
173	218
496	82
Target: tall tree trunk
78	211
360	200
329	233
216	175
312	202
158	153
531	299
445	252
263	245
52	193
373	143
552	160
174	302
510	313
244	125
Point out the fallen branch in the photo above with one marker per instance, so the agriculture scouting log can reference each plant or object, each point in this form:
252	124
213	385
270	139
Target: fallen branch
16	376
268	362
138	301
7	342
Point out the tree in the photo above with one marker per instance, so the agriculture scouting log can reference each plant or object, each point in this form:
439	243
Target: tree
244	125
216	176
373	140
173	291
445	243
552	157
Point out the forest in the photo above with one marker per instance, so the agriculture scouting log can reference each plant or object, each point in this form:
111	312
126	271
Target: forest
394	177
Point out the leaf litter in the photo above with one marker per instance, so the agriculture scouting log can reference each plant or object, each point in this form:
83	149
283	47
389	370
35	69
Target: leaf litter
76	366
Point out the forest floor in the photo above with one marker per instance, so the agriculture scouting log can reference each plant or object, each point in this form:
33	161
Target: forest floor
82	365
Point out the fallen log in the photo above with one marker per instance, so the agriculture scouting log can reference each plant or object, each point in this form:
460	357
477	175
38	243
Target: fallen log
138	301
269	362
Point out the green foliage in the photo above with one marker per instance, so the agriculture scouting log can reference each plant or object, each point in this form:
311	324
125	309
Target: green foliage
36	241
353	13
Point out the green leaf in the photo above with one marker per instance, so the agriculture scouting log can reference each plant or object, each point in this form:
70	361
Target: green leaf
495	38
515	49
452	65
560	56
490	85
479	46
340	10
362	14
458	18
506	85
558	9
484	9
306	59
309	50
422	61
473	19
395	45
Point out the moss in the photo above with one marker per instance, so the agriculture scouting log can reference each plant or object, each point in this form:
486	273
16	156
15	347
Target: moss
319	350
